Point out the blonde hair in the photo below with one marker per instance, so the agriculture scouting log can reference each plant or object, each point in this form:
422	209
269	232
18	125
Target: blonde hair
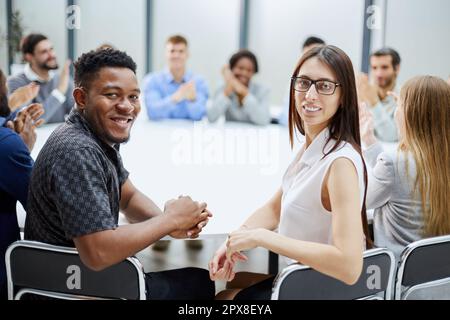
426	103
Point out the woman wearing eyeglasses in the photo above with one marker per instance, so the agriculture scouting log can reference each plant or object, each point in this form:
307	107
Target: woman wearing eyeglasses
409	187
240	98
319	210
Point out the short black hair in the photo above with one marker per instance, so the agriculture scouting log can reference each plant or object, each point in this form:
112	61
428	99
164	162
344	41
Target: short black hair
386	51
30	42
312	40
244	53
90	63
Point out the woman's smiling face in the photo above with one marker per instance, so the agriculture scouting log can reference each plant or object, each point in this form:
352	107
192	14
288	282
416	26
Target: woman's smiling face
313	108
244	70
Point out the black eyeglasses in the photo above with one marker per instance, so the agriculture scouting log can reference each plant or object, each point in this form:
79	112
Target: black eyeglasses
324	87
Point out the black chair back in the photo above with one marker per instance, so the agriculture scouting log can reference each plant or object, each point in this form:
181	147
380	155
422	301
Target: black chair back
424	270
58	272
298	282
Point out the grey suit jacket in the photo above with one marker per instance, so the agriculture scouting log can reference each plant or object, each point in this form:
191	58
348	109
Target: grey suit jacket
398	216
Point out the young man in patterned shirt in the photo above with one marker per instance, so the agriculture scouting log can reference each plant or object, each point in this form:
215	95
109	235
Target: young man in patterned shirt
79	184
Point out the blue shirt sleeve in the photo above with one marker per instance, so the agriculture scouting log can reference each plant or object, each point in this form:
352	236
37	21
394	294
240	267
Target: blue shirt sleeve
159	105
16	165
197	108
10	117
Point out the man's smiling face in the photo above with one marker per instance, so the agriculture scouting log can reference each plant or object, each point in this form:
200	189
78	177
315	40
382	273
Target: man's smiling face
112	104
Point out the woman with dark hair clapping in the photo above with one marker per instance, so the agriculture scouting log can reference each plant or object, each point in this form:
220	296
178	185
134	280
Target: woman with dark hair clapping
240	98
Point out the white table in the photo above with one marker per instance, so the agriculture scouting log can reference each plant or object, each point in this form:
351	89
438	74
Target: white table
234	167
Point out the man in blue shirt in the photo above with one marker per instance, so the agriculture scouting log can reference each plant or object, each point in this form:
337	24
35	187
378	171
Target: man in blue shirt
175	93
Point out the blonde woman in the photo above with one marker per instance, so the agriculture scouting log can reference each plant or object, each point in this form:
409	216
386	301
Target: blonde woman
409	187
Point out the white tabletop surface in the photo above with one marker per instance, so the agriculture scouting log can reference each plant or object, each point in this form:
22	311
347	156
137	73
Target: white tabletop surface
234	167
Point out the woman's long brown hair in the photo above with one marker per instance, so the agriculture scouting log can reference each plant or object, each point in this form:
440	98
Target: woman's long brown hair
426	107
344	126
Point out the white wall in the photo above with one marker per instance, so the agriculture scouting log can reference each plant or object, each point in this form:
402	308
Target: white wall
46	17
119	22
276	32
278	29
3	44
419	30
212	30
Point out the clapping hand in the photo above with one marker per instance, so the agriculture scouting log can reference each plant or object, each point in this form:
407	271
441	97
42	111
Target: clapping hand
186	91
23	95
26	123
366	125
190	91
64	78
367	92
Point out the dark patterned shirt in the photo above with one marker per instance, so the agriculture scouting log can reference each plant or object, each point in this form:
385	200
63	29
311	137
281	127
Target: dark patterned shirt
75	185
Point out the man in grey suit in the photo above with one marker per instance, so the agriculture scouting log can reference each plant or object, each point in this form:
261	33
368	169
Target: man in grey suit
55	89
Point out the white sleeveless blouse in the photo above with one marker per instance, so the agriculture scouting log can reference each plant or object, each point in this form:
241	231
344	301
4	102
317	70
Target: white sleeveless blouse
303	216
